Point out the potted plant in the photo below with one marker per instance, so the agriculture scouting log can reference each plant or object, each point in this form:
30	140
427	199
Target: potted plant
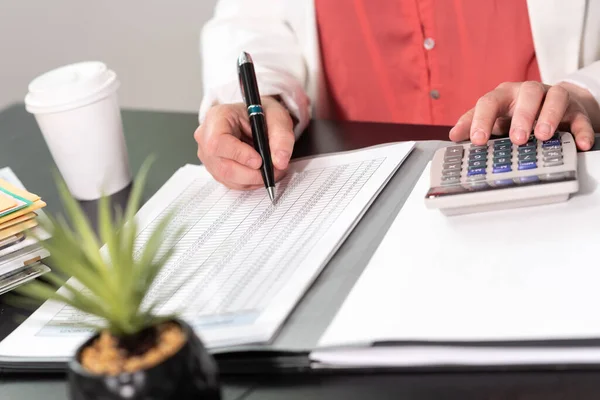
134	353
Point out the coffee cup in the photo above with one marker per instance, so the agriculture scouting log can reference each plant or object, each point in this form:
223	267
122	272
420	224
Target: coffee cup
77	109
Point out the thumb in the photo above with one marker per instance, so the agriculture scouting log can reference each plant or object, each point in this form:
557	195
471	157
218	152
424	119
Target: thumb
281	133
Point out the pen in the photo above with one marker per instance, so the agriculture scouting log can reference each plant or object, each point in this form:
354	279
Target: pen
249	88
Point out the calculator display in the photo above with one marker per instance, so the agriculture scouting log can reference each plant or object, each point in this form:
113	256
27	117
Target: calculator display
500	184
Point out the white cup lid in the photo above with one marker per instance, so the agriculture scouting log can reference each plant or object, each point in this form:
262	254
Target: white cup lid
70	86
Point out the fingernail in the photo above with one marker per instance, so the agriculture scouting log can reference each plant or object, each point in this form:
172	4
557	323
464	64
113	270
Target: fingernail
545	130
520	135
281	158
585	143
254	163
478	136
453	130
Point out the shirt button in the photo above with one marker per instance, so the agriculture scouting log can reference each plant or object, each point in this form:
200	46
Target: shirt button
434	94
429	43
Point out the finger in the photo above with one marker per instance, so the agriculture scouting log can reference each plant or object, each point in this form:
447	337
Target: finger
461	129
245	129
502	126
278	176
226	119
230	147
552	113
281	134
230	173
529	101
581	128
488	108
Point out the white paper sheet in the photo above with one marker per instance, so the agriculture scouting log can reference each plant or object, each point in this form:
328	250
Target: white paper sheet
513	275
243	263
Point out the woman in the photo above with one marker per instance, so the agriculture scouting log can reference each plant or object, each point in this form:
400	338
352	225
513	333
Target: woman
404	61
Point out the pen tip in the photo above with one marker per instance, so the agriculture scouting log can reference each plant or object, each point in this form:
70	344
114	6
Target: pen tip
271	191
244	58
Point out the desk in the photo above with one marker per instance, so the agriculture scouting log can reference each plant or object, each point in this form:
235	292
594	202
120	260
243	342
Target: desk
169	136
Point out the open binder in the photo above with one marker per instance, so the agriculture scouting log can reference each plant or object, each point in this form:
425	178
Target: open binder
319	334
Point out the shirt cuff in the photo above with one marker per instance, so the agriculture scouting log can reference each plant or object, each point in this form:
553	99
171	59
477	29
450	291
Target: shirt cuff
289	91
587	78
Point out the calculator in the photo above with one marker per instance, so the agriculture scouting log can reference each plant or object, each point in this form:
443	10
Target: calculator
467	178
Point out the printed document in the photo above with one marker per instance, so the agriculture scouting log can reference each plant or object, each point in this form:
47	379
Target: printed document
243	263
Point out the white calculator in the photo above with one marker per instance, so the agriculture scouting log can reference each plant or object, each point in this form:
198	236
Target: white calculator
466	178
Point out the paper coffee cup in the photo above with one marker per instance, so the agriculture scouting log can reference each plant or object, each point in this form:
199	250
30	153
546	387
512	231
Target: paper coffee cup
77	110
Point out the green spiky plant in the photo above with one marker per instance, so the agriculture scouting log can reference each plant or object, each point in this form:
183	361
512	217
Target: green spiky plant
114	284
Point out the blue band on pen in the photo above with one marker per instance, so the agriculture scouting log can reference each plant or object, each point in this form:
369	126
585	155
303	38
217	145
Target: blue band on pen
255	109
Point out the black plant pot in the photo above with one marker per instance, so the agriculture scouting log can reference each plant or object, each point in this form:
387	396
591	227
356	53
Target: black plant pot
191	373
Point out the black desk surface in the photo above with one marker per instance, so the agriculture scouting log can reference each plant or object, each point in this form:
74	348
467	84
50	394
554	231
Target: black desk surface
169	137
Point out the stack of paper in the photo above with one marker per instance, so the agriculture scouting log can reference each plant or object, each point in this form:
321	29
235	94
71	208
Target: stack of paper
509	287
20	251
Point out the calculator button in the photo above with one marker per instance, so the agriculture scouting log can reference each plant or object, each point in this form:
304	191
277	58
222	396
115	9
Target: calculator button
551	142
502	141
478	146
474	178
553	153
504	182
476	171
528	145
527	150
454	150
477	185
452	166
527	165
478	150
550	159
477	157
501	161
477	164
529	179
502	147
450	180
555	162
548	148
554	176
451	173
527	157
502	153
502	168
452	159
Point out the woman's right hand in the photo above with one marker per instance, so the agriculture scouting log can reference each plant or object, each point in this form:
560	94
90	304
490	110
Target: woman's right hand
225	143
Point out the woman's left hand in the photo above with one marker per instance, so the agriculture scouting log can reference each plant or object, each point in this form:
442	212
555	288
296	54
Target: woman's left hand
515	107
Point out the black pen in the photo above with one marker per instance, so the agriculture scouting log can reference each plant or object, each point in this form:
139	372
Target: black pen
249	88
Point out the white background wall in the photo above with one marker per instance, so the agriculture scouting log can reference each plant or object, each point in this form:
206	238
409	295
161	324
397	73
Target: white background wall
153	45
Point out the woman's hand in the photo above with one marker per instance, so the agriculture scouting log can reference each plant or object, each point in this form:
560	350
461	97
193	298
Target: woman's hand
225	143
520	108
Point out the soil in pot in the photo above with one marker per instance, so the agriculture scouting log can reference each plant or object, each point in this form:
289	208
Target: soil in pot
108	355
